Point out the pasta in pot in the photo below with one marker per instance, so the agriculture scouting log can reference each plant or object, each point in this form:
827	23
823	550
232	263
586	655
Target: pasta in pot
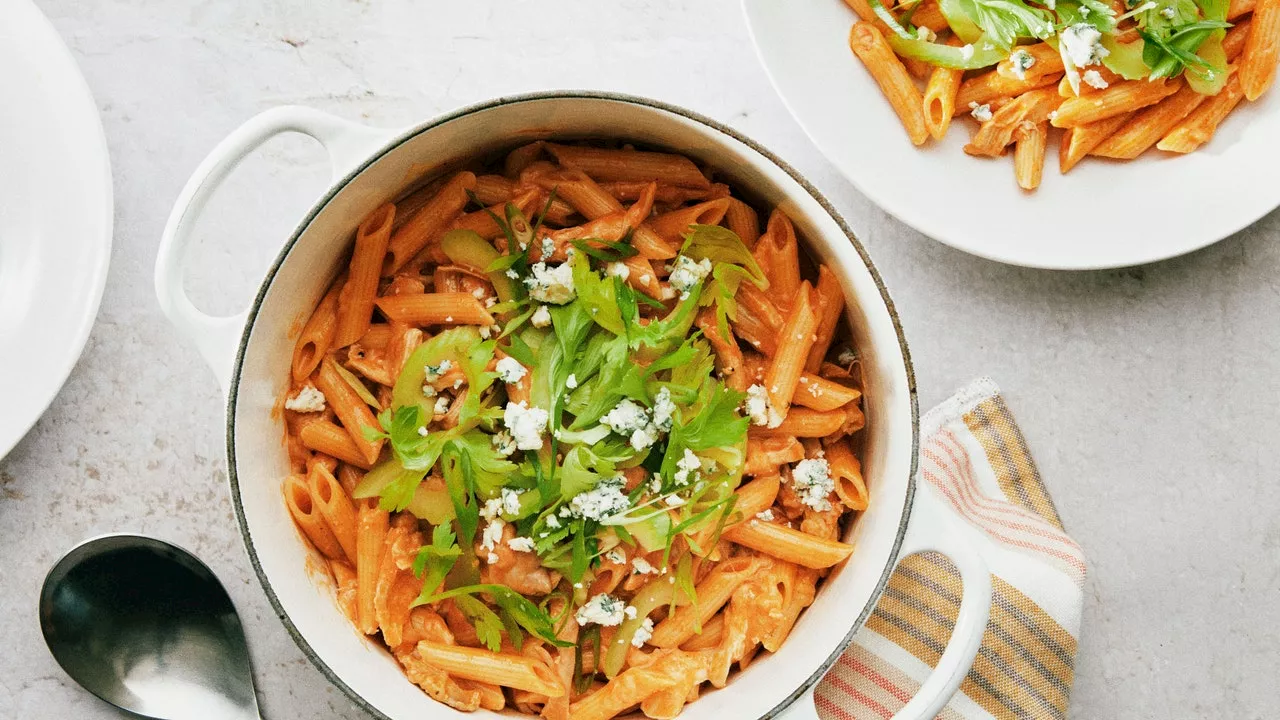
573	432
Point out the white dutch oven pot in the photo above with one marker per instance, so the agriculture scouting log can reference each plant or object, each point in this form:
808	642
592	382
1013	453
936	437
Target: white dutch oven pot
250	353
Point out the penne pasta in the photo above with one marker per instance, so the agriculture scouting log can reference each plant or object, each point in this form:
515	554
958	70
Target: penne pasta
728	354
350	409
317	335
355	303
711	636
797	337
1122	97
803	592
787	544
712	593
1028	155
742	219
1077	142
430	221
630	165
521	158
628	191
445	308
846	471
1198	127
928	14
322	460
805	423
494	190
371	535
377	336
1045	61
325	437
1233	43
297	498
829	306
758	495
766	454
868	43
863	10
512	671
758	303
778	255
992	86
1146	128
584	194
666	670
328	497
998	133
940	100
818	393
672	226
1261	50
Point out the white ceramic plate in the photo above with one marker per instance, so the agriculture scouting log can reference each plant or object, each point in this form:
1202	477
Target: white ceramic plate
55	216
1102	214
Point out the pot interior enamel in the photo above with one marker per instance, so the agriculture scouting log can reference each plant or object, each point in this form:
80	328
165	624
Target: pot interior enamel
258	459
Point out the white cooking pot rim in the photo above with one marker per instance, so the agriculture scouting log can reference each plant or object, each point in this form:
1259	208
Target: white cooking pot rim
416	130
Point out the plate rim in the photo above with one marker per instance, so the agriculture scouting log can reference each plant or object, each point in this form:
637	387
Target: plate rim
45	34
961	242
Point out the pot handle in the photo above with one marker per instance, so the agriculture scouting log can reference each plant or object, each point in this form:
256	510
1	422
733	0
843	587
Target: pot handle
216	337
935	528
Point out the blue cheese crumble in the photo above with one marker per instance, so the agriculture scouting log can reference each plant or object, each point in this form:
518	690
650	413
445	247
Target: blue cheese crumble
603	609
1020	62
663	409
510	501
434	372
525	424
510	370
643	633
308	400
1082	45
687	273
632	420
688	465
503	443
541	317
811	479
618	270
551	285
759	409
1094	79
521	544
605	499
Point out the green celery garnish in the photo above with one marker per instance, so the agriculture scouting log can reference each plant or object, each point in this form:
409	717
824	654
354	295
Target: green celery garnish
436	559
732	264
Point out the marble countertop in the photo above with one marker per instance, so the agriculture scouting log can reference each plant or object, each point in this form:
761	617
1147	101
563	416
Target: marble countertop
1149	395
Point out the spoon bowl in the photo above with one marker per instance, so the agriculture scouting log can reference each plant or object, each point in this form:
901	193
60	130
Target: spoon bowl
147	627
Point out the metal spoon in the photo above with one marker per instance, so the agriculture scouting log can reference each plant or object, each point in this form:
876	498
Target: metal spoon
147	627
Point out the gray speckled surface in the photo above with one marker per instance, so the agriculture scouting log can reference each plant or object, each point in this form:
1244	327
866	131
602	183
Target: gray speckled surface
1149	395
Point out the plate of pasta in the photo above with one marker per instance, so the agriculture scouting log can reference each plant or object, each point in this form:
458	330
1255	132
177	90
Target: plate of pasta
946	113
530	417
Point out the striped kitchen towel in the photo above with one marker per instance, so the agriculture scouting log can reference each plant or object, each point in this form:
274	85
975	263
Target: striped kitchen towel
975	458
